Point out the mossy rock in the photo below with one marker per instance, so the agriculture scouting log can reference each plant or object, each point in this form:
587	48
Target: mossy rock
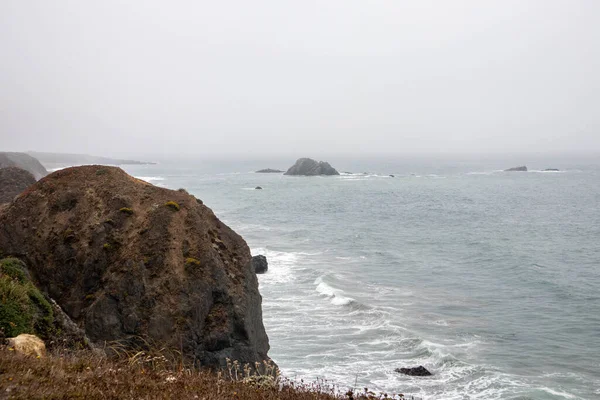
23	308
190	261
126	210
172	205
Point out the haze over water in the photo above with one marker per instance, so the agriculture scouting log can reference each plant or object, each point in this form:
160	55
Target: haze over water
489	279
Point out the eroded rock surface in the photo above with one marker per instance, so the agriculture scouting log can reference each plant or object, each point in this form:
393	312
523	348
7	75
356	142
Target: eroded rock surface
125	259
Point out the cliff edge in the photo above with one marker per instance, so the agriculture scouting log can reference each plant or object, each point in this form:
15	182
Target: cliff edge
23	161
127	260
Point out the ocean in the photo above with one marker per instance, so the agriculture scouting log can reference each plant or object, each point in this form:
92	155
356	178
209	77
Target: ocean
489	279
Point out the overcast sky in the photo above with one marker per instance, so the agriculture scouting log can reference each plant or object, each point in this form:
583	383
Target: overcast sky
299	77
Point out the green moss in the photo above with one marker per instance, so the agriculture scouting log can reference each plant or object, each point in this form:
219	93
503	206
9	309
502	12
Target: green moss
106	246
126	210
172	205
14	268
101	171
23	308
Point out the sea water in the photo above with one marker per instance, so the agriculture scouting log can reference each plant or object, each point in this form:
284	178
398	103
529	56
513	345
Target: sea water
489	279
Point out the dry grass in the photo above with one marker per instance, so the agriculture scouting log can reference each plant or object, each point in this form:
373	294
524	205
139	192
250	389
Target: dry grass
87	375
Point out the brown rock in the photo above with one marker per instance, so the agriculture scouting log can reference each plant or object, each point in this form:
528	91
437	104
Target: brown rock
13	181
175	276
29	345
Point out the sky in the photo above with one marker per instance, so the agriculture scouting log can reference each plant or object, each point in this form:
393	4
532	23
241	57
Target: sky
304	78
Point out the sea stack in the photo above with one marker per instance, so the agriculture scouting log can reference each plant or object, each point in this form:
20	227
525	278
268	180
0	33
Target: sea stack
522	168
127	260
310	167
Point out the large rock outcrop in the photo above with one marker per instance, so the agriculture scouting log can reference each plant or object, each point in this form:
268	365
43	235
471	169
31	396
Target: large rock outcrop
13	181
310	167
127	260
23	161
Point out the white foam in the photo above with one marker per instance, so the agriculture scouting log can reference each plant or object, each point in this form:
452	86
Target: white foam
151	179
558	393
281	265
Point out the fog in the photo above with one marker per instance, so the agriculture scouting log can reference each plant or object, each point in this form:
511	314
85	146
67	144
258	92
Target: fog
302	78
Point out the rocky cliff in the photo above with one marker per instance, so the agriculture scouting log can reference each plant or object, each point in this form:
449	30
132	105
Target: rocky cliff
310	167
23	161
13	181
128	260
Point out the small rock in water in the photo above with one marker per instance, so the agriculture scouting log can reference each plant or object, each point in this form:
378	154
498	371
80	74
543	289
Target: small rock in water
260	264
392	176
414	371
258	188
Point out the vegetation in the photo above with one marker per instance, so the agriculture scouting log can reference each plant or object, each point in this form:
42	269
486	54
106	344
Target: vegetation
142	375
126	210
23	308
172	205
106	246
190	261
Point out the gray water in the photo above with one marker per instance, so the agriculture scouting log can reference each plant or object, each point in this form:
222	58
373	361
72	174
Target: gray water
489	279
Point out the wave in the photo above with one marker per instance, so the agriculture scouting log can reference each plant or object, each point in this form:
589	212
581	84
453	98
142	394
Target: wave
336	296
150	179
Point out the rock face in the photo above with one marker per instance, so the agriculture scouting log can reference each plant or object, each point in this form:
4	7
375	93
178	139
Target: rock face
13	181
125	259
268	171
23	161
260	264
310	167
517	169
414	371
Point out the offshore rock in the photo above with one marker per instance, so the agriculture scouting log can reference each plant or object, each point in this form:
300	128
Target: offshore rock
269	171
13	181
127	260
414	371
310	167
260	264
517	169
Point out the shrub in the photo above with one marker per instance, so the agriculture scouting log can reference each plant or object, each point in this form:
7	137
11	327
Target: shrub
172	205
14	268
126	210
23	308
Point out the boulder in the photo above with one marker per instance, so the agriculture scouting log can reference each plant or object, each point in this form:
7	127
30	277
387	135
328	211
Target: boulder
258	188
517	169
23	161
310	167
13	181
169	273
414	371
260	264
29	345
269	171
